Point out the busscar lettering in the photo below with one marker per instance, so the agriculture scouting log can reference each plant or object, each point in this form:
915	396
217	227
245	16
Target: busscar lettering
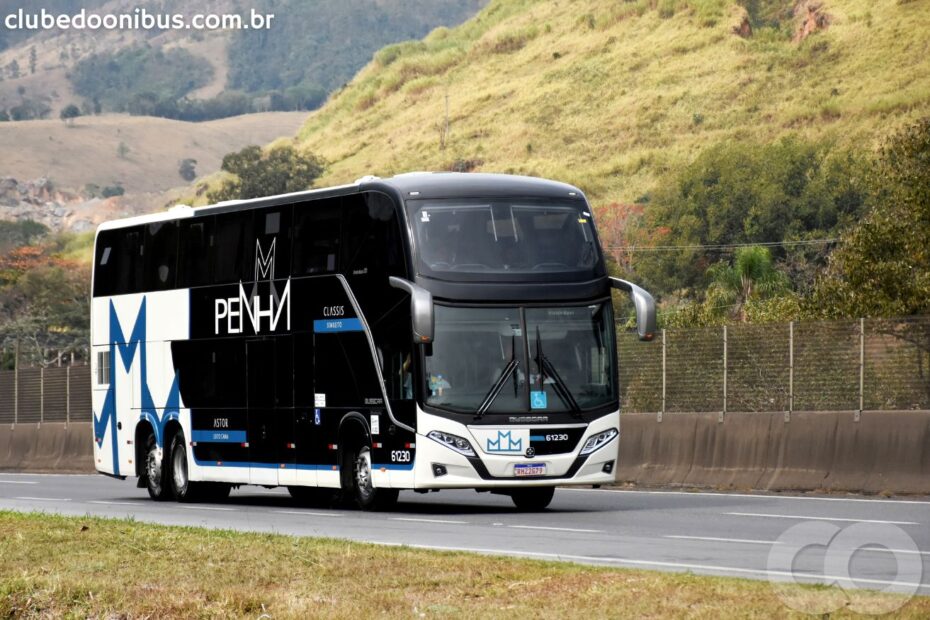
233	312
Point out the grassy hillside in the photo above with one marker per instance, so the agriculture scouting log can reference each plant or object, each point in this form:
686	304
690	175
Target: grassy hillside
310	49
610	95
87	152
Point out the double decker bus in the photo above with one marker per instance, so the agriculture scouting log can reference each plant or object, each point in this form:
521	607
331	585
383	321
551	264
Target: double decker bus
428	331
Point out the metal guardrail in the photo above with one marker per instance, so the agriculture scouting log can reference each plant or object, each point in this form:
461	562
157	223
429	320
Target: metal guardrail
56	394
868	364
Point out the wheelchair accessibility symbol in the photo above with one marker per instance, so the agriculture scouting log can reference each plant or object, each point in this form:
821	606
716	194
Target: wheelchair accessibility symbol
538	400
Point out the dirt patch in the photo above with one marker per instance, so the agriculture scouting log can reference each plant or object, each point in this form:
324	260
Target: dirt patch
811	17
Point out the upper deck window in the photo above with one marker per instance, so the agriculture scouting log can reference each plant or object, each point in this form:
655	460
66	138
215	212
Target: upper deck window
488	239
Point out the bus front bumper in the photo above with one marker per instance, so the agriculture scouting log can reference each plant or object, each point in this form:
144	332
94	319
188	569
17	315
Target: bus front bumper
438	466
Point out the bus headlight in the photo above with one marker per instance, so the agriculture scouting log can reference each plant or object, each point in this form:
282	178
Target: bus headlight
459	444
596	442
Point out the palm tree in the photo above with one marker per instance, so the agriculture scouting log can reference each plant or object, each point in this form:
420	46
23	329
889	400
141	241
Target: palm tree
751	276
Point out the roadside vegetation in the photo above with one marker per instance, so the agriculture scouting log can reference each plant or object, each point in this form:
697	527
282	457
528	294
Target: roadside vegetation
733	150
91	567
44	293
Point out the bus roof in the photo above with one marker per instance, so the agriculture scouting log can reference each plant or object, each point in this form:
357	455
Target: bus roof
417	185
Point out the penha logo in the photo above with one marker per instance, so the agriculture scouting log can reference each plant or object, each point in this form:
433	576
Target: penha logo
264	263
237	309
499	445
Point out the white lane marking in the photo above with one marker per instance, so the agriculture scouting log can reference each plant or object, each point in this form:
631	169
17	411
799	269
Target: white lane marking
305	513
729	540
109	503
449	521
809	518
775	542
219	508
555	529
877	500
45	499
20	473
18	482
800	577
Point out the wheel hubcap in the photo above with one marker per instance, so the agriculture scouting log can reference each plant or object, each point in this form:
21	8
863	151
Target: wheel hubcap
180	469
363	474
153	468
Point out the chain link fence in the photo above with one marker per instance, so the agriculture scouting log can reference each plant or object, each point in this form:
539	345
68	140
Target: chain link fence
869	364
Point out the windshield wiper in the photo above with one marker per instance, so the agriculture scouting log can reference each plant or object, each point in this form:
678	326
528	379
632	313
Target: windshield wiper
509	370
547	369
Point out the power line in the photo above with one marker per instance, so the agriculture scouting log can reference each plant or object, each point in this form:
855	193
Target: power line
722	246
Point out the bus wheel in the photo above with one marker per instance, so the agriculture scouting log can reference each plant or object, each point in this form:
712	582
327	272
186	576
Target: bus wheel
532	498
184	489
366	496
156	479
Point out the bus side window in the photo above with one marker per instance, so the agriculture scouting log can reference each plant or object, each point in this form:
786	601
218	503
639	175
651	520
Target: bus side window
105	263
128	265
161	255
233	248
316	237
194	252
372	242
211	373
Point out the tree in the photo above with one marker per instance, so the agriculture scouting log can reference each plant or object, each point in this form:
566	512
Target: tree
749	193
752	276
112	190
122	150
69	113
188	169
13	69
33	58
280	170
882	266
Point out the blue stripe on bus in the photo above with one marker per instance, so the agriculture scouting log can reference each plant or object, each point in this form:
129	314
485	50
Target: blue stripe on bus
298	466
537	438
337	325
218	436
396	466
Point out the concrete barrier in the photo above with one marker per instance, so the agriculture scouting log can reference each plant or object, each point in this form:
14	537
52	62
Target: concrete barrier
47	447
885	451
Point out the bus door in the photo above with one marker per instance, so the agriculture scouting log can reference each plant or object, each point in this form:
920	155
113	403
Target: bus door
264	435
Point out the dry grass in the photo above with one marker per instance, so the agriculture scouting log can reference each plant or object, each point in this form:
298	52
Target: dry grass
605	94
90	567
87	152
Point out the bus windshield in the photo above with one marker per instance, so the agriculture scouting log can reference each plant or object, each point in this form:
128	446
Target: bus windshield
514	360
493	238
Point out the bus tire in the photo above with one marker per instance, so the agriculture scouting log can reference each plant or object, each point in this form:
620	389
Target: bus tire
185	490
363	493
156	473
532	499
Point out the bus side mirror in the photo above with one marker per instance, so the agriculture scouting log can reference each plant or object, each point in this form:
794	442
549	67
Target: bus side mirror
421	309
645	307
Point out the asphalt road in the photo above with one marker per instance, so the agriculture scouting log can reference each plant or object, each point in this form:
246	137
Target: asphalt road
880	543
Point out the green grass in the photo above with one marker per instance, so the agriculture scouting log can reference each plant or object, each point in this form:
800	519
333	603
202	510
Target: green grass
607	93
90	567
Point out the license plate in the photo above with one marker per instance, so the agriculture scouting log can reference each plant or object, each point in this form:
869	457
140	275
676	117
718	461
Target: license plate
529	469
